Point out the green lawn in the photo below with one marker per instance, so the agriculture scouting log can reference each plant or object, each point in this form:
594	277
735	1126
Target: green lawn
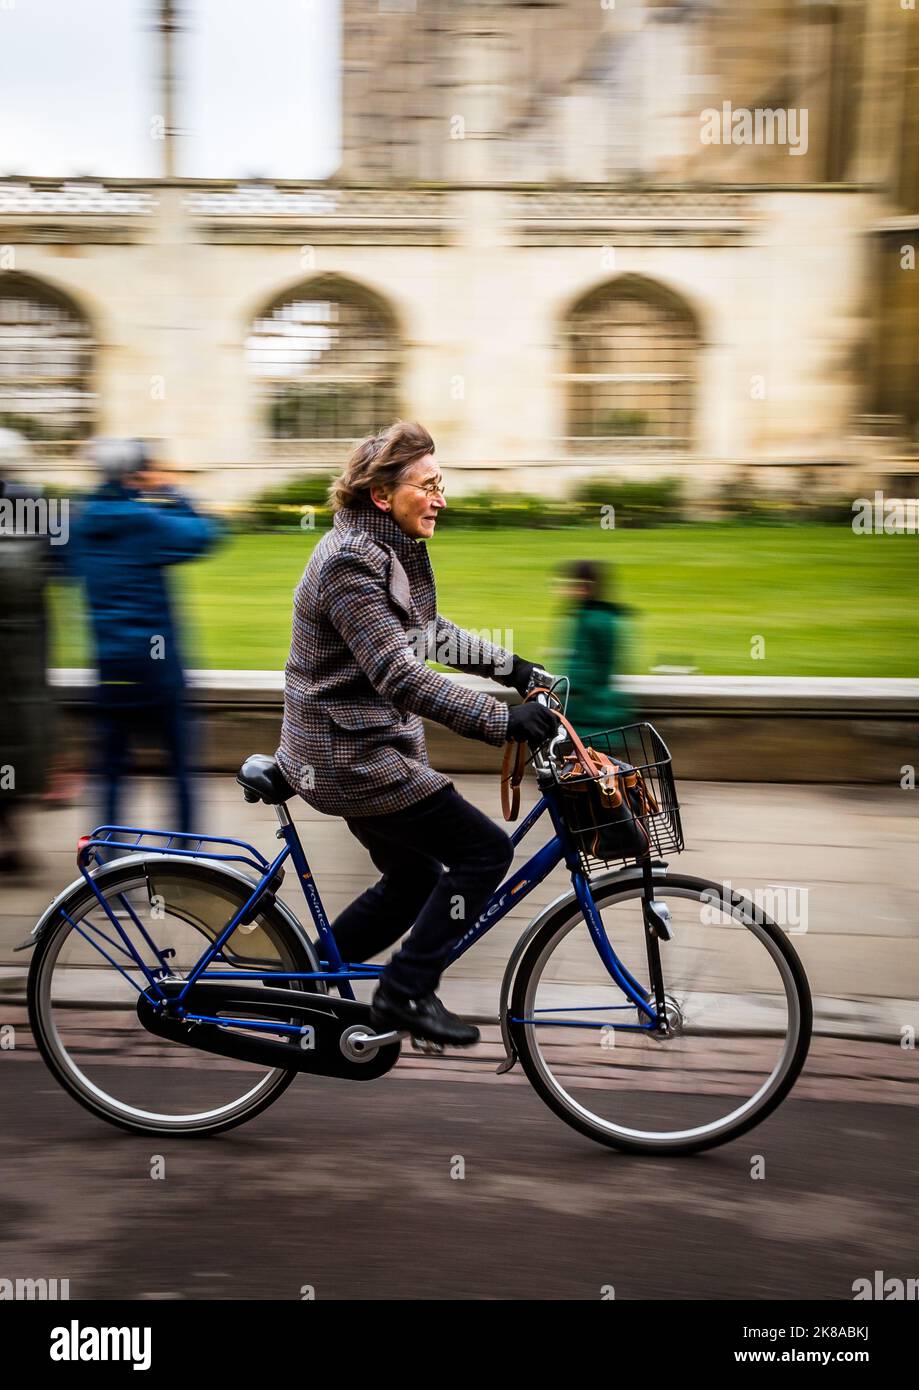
827	602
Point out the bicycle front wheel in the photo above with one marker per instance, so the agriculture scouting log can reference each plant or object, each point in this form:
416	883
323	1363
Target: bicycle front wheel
737	1000
84	987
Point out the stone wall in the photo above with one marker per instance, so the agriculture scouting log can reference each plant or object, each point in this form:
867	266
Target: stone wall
738	729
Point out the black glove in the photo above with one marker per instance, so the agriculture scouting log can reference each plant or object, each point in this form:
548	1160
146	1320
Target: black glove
532	722
522	675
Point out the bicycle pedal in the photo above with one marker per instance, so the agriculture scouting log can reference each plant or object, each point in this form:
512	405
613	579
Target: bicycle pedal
429	1048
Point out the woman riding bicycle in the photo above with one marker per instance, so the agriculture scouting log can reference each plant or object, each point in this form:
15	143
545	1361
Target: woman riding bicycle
711	1025
352	741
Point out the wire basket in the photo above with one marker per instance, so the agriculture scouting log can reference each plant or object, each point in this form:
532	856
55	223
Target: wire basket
598	831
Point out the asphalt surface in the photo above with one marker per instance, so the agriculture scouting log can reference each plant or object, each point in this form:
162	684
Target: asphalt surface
346	1190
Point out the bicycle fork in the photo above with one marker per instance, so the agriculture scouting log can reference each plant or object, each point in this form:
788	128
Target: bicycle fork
656	917
652	1003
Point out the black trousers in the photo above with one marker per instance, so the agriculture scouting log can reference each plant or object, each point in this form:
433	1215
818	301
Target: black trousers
441	859
131	710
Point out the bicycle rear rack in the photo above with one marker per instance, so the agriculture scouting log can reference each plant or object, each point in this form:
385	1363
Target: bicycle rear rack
174	844
191	846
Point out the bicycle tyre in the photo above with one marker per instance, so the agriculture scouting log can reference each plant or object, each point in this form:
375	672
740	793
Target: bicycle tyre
553	931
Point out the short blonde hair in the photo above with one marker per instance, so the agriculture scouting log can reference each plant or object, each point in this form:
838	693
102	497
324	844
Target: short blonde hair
379	461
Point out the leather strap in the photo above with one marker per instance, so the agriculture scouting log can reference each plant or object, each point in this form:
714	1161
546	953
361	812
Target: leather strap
511	777
513	766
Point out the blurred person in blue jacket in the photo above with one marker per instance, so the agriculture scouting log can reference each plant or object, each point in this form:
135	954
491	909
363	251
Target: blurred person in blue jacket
133	528
593	647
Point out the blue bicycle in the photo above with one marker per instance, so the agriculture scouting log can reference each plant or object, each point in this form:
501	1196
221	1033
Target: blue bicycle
173	992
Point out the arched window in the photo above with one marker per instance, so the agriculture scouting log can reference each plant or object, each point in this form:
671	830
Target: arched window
46	353
631	350
325	358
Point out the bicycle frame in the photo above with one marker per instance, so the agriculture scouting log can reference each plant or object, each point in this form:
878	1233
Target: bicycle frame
340	974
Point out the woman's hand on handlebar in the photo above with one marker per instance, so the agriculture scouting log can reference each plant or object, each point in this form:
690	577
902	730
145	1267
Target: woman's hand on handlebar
531	721
541	677
526	676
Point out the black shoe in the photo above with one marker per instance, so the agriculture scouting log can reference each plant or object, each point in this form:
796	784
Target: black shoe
424	1017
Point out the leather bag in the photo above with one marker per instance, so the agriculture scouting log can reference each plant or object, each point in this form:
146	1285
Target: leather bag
610	800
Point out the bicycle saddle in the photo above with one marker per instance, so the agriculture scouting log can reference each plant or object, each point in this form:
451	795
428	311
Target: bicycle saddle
262	780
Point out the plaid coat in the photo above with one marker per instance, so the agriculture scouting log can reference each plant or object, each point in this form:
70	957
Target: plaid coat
356	683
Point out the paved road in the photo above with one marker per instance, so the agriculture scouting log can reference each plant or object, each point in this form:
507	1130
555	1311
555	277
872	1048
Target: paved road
347	1189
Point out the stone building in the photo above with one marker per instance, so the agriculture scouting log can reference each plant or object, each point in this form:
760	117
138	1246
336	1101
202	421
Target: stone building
635	238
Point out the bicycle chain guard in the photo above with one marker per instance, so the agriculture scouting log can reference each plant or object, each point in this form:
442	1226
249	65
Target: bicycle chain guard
322	1020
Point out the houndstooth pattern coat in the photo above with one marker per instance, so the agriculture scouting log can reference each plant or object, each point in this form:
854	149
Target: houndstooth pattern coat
356	683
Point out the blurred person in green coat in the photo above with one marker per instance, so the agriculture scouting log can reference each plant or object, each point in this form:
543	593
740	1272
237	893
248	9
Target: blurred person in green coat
594	640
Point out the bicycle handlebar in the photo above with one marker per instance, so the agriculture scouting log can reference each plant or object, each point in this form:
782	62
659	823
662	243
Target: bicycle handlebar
543	761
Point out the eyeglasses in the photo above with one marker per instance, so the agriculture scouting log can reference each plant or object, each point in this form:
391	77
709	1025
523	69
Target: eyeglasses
431	489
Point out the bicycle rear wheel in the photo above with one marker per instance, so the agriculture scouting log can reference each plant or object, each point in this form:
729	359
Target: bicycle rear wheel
83	1010
736	993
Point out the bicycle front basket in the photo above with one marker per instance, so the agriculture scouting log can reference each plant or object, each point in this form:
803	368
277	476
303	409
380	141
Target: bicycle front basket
631	813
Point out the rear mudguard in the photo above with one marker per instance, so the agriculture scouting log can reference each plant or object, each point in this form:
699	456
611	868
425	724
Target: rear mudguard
228	875
318	1049
561	907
